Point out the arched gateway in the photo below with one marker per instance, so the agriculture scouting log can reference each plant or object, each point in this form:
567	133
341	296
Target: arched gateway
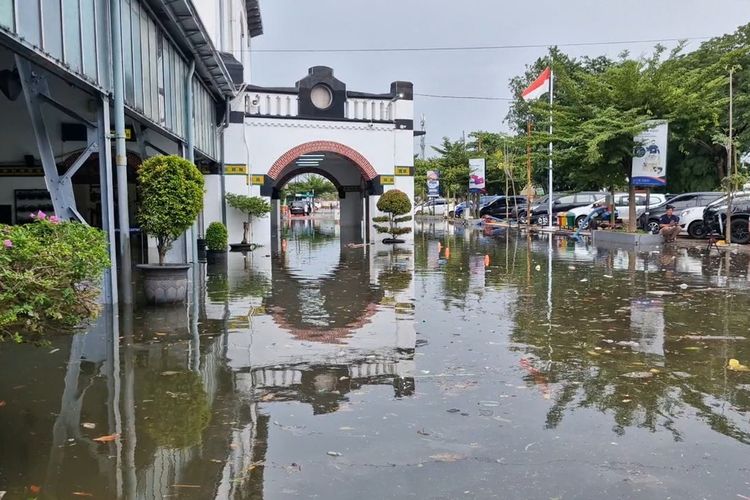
362	142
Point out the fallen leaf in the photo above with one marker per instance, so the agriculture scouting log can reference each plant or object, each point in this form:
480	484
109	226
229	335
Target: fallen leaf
169	373
82	494
88	425
736	366
106	439
447	457
34	489
2	403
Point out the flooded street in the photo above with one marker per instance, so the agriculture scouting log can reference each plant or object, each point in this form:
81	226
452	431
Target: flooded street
495	365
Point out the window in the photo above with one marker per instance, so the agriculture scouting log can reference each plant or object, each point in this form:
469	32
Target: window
72	31
6	14
52	28
565	200
127	53
28	22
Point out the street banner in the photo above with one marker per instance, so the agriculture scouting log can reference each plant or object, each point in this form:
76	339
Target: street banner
476	175
433	183
650	156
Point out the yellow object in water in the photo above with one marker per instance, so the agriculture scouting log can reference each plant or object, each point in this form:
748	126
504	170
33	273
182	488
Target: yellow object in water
736	366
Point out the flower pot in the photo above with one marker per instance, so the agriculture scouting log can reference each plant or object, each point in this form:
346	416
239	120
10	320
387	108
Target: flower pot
214	257
242	247
165	284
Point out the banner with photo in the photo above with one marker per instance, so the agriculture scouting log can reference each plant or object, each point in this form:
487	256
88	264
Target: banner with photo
476	175
433	183
650	156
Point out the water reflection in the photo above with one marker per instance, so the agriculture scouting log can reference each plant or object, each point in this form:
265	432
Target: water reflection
471	360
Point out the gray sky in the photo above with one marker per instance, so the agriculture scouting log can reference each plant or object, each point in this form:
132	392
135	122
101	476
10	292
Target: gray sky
320	24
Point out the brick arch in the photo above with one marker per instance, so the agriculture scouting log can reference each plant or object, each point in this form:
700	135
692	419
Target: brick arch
368	171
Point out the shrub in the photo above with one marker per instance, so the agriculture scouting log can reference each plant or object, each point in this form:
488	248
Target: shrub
217	237
171	197
395	203
253	206
50	274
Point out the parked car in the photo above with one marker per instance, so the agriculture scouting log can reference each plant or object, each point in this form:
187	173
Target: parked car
622	203
714	216
691	222
483	202
680	202
435	206
503	206
298	208
563	202
520	212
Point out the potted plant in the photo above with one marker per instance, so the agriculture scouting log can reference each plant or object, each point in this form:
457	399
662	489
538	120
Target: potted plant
171	197
395	203
253	206
216	242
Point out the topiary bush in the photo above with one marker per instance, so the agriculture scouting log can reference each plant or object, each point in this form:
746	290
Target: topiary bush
253	206
217	237
395	203
171	197
50	277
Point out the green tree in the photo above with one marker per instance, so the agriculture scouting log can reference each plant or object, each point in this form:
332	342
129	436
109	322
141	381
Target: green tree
171	197
253	206
395	204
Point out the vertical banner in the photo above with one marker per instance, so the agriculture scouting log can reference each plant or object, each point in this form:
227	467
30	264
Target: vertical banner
433	183
650	156
476	175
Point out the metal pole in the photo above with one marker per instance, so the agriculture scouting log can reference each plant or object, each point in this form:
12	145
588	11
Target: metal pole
549	201
190	152
730	186
530	194
121	160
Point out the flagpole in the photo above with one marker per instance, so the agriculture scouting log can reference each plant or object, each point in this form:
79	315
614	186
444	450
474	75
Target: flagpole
551	89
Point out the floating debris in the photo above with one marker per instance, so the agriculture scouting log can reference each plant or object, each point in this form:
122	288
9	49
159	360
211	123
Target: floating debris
638	375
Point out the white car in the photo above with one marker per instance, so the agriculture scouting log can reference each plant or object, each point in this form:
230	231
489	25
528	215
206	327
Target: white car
436	206
691	222
621	206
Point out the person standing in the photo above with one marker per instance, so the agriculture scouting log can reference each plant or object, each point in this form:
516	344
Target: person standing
669	225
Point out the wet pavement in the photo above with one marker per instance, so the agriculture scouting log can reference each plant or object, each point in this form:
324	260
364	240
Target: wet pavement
473	365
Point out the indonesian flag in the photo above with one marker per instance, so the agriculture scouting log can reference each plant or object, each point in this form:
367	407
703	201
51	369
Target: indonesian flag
539	87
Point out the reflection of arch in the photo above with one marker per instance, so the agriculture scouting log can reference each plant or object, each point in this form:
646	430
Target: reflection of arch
349	301
310	170
368	171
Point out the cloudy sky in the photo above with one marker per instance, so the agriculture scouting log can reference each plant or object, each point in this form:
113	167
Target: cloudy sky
354	24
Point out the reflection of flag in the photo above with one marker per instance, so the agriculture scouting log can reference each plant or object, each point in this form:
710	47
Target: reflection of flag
539	87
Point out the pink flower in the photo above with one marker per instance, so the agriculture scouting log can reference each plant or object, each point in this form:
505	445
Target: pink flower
54	219
7	244
41	215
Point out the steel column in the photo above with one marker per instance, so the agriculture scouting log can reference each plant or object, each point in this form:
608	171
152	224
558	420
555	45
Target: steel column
106	189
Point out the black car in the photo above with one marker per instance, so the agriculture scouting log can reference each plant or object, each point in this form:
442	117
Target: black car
520	212
298	208
714	217
562	202
502	207
680	202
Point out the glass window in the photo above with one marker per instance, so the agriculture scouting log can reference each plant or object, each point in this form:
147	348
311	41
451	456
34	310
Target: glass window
88	36
103	42
145	64
28	22
72	31
135	25
52	28
167	85
127	53
565	200
6	14
153	41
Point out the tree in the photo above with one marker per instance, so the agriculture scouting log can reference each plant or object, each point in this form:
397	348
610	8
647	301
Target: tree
171	197
396	204
253	206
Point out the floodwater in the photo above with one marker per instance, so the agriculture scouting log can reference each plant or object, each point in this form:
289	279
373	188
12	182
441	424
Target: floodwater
472	365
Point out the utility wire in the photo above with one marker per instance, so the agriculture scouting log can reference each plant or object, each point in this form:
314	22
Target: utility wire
481	47
470	97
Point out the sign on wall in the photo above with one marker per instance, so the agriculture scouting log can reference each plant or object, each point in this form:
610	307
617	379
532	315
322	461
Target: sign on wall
387	180
235	169
476	175
650	156
433	183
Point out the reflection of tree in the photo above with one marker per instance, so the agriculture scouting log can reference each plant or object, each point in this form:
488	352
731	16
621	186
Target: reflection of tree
245	283
394	279
177	408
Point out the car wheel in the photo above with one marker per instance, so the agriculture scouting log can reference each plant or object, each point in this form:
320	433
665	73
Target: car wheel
697	230
543	220
581	222
522	218
740	232
452	214
653	226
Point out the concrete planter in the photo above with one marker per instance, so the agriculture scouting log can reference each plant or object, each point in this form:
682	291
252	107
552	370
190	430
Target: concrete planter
626	240
214	257
165	284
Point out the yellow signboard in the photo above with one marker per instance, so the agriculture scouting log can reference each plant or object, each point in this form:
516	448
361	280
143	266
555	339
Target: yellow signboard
257	180
235	169
403	171
387	180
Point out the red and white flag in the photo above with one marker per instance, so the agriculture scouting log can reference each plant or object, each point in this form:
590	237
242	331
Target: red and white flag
539	87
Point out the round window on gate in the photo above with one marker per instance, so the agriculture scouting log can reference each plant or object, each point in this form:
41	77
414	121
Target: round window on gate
321	96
